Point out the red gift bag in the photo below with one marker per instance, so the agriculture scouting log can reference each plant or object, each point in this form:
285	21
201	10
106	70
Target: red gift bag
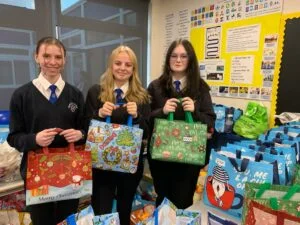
259	214
55	174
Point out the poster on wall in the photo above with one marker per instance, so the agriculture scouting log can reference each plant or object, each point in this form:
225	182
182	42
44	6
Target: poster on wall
212	42
212	70
176	26
242	69
242	39
262	7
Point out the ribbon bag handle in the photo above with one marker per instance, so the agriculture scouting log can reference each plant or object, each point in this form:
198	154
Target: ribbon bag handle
188	115
244	164
71	148
129	118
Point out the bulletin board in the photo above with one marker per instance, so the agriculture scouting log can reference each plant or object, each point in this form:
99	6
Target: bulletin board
244	65
286	85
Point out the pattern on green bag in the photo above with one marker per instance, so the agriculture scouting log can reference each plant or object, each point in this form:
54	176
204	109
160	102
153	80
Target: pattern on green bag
179	141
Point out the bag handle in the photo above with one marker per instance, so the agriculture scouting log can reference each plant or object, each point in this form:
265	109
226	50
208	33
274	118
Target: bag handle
187	114
71	148
129	118
156	217
262	189
244	164
292	190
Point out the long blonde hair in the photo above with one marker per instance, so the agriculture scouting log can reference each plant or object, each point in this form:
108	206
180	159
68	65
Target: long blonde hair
136	93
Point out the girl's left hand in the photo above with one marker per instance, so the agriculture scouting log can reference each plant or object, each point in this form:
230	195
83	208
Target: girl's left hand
188	104
131	109
71	135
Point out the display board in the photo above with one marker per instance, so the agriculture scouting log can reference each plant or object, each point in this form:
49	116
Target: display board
236	43
286	88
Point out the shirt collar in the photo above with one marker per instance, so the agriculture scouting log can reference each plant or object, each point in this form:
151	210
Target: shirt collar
124	87
60	83
182	82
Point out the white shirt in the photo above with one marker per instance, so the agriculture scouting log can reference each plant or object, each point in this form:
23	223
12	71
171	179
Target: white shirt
124	88
42	84
182	82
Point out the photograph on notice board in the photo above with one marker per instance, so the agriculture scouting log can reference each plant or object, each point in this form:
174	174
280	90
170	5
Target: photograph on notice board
265	93
212	70
214	90
243	92
212	42
254	92
223	90
233	91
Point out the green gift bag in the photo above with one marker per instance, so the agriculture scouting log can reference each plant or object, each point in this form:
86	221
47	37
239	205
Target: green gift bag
253	122
179	141
281	198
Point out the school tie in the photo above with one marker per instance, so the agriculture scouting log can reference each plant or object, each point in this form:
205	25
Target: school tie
53	97
177	85
119	93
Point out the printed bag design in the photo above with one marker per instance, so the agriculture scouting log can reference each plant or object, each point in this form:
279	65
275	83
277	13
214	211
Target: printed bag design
179	141
226	178
58	174
113	146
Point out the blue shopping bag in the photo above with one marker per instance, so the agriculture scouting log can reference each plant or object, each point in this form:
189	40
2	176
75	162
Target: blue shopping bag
114	147
226	178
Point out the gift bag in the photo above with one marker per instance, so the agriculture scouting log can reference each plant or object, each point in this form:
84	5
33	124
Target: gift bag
276	197
253	122
261	214
167	214
226	178
107	219
113	146
179	141
55	174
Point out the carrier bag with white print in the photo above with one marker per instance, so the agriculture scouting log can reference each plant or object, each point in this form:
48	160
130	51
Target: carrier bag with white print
226	178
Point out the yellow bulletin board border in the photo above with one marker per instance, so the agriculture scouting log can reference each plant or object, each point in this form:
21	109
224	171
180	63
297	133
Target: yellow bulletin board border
284	18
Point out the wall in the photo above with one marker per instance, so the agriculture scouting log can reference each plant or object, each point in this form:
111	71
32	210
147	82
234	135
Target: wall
160	8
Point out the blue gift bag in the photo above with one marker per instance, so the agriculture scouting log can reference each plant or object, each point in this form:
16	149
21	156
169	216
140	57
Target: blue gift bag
113	146
226	178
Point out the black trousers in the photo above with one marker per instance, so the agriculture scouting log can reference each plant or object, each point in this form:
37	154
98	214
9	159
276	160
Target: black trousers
109	185
174	181
53	212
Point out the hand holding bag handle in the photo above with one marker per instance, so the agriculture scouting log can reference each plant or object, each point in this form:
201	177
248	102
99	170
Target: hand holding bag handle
129	120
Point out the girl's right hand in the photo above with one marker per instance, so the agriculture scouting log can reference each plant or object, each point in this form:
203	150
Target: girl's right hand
45	137
106	109
170	105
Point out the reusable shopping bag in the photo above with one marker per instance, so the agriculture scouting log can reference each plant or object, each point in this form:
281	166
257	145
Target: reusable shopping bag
261	214
179	141
276	197
167	214
55	174
114	147
253	122
226	117
226	178
107	219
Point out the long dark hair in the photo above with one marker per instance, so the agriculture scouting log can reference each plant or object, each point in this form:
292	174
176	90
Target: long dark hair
194	83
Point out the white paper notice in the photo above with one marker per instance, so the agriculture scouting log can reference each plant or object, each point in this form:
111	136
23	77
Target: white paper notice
243	39
242	69
177	25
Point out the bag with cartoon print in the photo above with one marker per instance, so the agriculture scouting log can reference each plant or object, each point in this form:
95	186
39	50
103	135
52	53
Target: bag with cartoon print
114	147
226	178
